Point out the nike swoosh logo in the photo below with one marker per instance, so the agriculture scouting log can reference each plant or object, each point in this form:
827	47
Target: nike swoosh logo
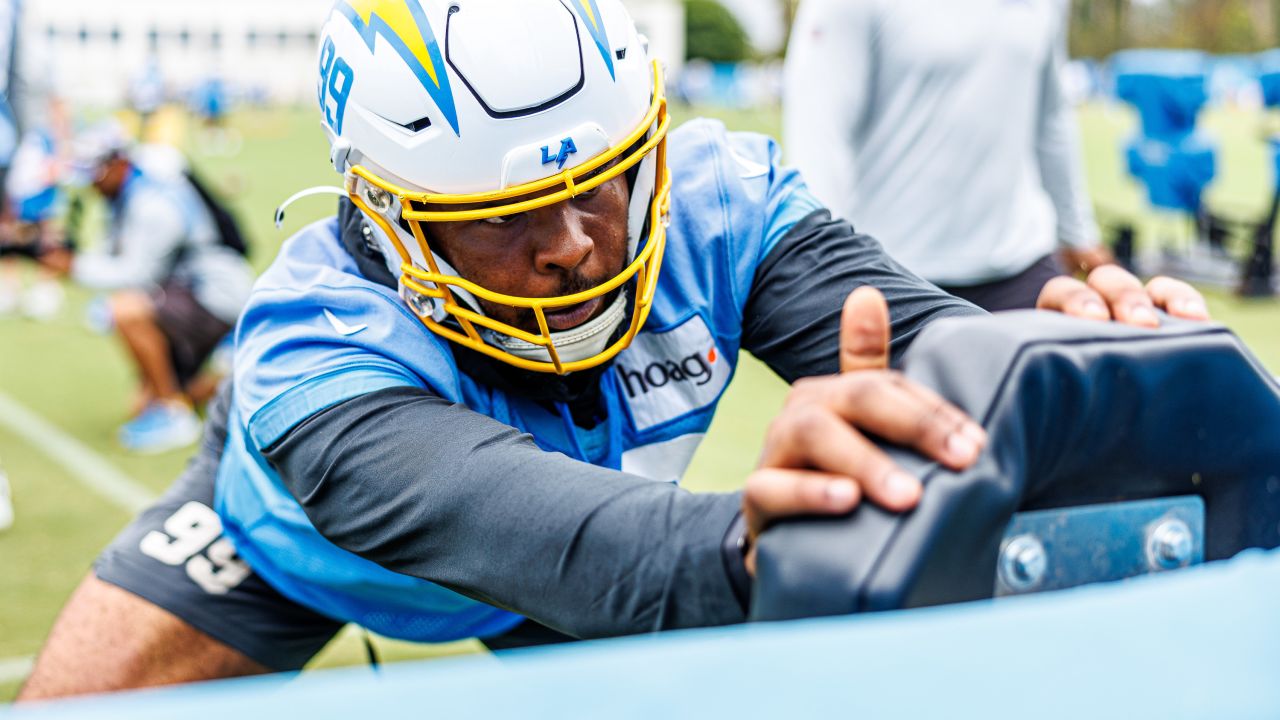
342	328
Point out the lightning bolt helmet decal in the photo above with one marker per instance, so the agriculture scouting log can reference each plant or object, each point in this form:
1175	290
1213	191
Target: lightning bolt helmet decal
405	28
590	12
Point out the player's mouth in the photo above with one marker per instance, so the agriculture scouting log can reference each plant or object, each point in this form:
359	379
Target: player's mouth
572	316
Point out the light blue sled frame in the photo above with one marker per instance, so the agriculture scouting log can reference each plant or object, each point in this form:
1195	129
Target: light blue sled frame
1197	643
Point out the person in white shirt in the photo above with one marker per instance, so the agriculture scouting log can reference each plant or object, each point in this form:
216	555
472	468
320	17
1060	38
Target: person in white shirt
176	282
941	129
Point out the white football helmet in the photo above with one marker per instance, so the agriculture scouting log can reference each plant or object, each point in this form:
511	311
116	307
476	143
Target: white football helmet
491	102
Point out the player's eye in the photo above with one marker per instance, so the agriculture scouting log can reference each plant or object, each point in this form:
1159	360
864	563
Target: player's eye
499	220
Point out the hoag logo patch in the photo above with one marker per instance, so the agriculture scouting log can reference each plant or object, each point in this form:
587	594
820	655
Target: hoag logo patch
667	375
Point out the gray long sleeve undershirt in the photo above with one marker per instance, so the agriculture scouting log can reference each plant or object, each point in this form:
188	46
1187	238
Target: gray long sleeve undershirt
437	491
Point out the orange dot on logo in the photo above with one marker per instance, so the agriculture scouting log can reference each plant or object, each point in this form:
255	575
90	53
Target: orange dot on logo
711	356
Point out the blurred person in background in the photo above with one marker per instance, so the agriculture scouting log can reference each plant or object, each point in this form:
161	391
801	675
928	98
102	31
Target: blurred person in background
176	279
210	101
942	130
34	138
146	93
10	273
35	204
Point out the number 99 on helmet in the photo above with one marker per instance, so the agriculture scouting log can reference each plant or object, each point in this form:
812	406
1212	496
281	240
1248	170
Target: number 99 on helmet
463	110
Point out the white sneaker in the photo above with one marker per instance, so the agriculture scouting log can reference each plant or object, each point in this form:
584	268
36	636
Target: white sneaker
161	427
42	301
6	503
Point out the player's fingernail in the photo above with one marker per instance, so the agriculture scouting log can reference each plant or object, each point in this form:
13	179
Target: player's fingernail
902	488
975	433
1143	314
961	448
1191	308
841	494
1095	309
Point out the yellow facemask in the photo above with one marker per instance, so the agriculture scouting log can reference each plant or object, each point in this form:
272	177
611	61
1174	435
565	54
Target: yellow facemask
439	288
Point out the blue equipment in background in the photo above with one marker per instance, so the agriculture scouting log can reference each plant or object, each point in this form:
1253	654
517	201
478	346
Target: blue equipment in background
1174	173
1269	79
1175	164
1168	88
1259	273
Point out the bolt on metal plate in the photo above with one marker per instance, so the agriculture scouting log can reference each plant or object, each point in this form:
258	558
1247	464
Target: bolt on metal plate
1067	547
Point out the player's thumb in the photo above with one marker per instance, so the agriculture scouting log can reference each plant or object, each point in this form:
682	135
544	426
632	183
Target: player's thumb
864	331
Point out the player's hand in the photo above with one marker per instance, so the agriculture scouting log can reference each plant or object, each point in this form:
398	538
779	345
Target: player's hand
1082	261
1112	293
58	260
816	460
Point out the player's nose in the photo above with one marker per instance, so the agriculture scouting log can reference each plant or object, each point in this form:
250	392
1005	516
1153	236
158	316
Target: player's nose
562	240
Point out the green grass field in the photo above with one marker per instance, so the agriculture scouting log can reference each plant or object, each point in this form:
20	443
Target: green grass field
81	382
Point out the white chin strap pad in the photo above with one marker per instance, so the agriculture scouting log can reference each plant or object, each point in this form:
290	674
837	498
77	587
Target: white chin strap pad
585	341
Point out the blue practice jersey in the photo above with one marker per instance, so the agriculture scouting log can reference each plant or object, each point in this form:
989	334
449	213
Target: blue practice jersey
316	333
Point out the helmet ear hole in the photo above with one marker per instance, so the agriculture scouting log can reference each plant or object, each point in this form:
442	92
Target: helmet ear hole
418	125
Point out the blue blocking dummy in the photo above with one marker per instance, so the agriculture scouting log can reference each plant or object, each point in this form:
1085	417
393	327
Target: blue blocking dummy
1168	88
1269	78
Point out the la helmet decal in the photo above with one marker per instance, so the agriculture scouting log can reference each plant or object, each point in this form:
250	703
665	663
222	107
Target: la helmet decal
595	26
404	26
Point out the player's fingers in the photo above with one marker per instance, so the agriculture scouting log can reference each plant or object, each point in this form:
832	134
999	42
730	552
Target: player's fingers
1125	295
896	409
1177	298
1072	297
773	493
967	432
813	437
864	331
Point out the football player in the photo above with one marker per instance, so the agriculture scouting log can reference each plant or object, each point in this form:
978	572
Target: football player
461	407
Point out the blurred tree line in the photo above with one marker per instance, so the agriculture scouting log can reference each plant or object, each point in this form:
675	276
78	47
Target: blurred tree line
712	33
1100	27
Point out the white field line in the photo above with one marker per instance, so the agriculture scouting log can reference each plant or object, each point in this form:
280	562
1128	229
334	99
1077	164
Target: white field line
86	466
15	669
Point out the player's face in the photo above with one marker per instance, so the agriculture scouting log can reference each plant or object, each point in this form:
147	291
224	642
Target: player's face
109	177
554	251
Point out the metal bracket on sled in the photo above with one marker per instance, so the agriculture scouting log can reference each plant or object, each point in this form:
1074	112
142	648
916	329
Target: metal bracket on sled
1063	548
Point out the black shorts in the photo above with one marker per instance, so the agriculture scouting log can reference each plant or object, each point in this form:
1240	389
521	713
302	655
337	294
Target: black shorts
1019	292
175	556
192	331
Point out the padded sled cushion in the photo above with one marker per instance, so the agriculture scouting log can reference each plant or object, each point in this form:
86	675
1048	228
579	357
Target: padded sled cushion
1078	412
